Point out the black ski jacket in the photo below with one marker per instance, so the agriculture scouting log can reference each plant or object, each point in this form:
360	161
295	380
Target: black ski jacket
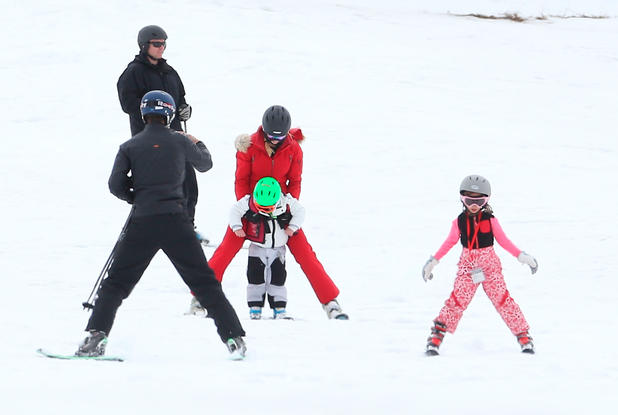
141	77
156	158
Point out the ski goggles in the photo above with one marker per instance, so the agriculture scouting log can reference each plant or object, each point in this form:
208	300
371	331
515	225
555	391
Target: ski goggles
265	209
275	137
158	44
479	201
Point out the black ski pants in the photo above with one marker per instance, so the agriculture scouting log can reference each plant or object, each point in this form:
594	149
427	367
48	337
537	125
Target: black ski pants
173	233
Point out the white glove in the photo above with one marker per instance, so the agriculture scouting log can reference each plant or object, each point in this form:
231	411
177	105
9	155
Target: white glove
529	260
428	267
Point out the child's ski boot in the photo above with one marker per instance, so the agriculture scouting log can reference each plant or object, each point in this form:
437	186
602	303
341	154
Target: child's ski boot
525	341
279	313
255	312
93	345
435	339
333	311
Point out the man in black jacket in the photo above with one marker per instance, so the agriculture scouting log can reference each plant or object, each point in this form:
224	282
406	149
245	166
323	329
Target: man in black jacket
148	72
156	159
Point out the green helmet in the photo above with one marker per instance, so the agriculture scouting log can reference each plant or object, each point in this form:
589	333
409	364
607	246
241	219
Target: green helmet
267	192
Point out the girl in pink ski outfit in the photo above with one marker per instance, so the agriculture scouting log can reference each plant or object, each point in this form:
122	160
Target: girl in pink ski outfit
476	228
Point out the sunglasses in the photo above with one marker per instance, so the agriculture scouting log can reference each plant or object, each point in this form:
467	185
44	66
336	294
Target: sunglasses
478	201
157	44
276	137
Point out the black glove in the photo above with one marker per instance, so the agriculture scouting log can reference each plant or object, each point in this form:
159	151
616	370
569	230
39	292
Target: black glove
184	112
284	219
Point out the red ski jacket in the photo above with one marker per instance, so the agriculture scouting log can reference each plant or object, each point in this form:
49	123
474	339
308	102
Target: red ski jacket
253	163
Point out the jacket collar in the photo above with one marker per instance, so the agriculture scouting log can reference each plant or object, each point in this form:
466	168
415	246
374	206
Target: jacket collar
162	65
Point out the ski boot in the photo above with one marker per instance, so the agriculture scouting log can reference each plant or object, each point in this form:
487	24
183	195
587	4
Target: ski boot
201	237
237	347
279	313
93	345
333	311
195	307
435	339
255	312
525	341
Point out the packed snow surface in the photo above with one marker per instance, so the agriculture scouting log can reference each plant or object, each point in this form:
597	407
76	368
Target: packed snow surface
399	100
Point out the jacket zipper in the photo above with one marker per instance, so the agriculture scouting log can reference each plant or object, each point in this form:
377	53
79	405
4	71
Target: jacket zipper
273	229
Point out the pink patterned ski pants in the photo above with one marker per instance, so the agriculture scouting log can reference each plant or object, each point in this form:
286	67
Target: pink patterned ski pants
494	286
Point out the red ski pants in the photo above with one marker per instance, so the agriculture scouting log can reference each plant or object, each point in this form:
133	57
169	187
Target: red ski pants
494	286
324	288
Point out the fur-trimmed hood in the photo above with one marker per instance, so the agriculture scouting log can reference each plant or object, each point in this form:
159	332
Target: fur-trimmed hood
243	141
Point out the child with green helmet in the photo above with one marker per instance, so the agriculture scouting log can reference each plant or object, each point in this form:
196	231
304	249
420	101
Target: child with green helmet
267	218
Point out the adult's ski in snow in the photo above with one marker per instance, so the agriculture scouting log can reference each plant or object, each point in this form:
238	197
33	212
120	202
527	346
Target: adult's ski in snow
74	357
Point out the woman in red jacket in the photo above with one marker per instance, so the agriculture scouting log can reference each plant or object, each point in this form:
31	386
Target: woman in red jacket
274	150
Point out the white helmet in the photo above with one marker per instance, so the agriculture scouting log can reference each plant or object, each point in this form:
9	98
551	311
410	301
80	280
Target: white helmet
475	183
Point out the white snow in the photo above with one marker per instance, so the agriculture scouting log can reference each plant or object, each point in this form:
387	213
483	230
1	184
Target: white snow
399	100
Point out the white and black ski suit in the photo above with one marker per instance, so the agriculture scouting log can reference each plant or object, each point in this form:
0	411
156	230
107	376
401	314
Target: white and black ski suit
266	272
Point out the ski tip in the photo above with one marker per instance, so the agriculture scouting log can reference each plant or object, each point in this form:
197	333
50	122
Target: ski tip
432	353
342	317
236	356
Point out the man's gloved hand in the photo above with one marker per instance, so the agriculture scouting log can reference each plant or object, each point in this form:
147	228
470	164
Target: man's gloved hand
529	260
184	112
428	267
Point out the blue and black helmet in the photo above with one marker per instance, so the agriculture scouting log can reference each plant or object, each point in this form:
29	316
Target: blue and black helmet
158	103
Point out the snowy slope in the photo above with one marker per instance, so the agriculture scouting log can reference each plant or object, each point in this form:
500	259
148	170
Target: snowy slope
398	100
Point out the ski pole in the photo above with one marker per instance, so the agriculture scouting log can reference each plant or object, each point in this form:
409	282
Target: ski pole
185	124
88	304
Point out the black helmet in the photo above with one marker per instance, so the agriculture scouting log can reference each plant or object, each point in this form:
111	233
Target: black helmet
276	121
146	34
